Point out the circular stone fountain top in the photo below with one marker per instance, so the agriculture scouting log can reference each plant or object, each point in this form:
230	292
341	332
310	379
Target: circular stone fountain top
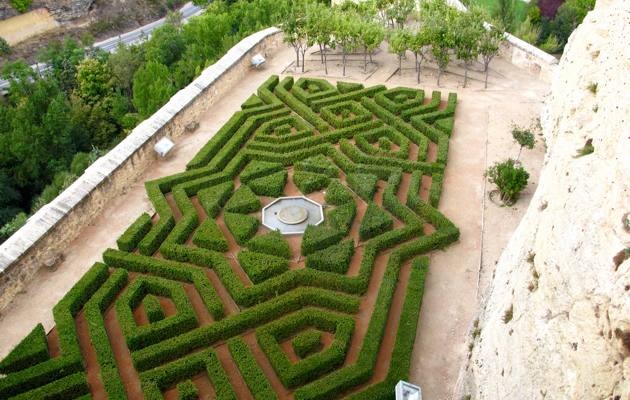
291	215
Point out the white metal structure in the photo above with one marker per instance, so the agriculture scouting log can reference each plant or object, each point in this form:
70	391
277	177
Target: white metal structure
164	146
258	60
407	391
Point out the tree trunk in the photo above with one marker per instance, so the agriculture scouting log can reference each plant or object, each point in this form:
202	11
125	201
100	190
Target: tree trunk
343	61
418	70
303	58
485	85
325	61
321	53
519	153
465	72
439	75
365	61
400	64
416	56
371	62
297	57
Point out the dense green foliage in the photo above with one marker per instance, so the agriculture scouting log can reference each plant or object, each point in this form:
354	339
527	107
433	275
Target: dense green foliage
307	342
510	178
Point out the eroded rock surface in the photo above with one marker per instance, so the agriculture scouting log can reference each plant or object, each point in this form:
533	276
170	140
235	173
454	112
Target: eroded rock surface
555	322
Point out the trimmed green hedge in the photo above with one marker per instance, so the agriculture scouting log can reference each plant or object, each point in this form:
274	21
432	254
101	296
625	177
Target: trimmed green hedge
257	169
214	198
341	217
153	308
272	243
318	238
187	390
271	185
309	182
319	164
134	234
33	349
252	374
210	236
242	227
243	201
307	342
363	184
338	194
260	267
374	222
335	258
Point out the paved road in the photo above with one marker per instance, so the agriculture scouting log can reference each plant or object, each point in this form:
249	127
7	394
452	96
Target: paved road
110	45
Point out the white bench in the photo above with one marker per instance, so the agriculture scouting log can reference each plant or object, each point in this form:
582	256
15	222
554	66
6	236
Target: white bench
163	147
258	60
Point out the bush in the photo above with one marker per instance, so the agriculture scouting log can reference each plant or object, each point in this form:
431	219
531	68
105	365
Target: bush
242	227
510	178
260	267
253	375
21	5
187	390
210	236
257	169
342	216
5	49
12	226
363	184
374	222
271	185
338	194
243	201
318	238
134	234
213	198
335	258
33	349
307	342
272	243
319	164
309	182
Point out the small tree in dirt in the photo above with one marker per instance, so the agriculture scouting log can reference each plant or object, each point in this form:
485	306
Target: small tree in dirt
419	44
294	32
524	137
399	11
371	35
440	20
489	46
346	32
319	25
468	32
398	44
510	179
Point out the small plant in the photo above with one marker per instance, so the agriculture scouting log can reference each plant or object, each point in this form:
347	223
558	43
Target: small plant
530	257
587	149
509	314
5	49
21	5
524	137
592	87
510	179
551	44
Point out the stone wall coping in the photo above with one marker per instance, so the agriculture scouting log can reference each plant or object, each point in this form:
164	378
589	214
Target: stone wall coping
46	218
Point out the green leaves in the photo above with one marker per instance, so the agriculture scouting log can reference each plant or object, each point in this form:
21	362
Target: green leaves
510	177
152	87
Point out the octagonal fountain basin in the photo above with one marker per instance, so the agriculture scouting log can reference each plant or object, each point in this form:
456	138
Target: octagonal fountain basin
291	215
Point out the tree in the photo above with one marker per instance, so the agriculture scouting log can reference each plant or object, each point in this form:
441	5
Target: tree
468	32
346	32
152	87
570	14
399	11
93	81
123	64
440	20
489	46
371	35
398	44
524	137
63	59
504	14
419	44
294	31
510	179
166	45
319	25
5	49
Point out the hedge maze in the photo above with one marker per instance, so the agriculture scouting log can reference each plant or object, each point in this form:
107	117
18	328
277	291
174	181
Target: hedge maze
203	301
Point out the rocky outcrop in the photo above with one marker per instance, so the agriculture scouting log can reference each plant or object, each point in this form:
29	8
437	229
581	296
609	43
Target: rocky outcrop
61	10
555	323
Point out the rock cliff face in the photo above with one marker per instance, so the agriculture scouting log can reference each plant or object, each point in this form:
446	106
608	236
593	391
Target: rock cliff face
555	322
61	10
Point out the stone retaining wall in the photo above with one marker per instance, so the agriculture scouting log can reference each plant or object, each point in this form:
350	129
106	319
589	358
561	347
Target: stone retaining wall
40	241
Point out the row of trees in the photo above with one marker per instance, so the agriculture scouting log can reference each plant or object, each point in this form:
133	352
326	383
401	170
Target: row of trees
439	32
53	126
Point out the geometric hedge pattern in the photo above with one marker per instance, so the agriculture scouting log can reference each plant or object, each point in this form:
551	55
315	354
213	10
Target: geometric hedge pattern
202	301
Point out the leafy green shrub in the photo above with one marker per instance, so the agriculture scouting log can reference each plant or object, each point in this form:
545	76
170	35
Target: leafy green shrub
243	201
307	342
20	5
335	258
510	179
524	137
271	185
33	349
374	222
253	375
337	193
187	390
319	237
210	236
153	308
5	49
363	184
243	227
347	87
260	267
256	169
309	182
272	243
12	226
342	216
319	164
134	234
213	198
